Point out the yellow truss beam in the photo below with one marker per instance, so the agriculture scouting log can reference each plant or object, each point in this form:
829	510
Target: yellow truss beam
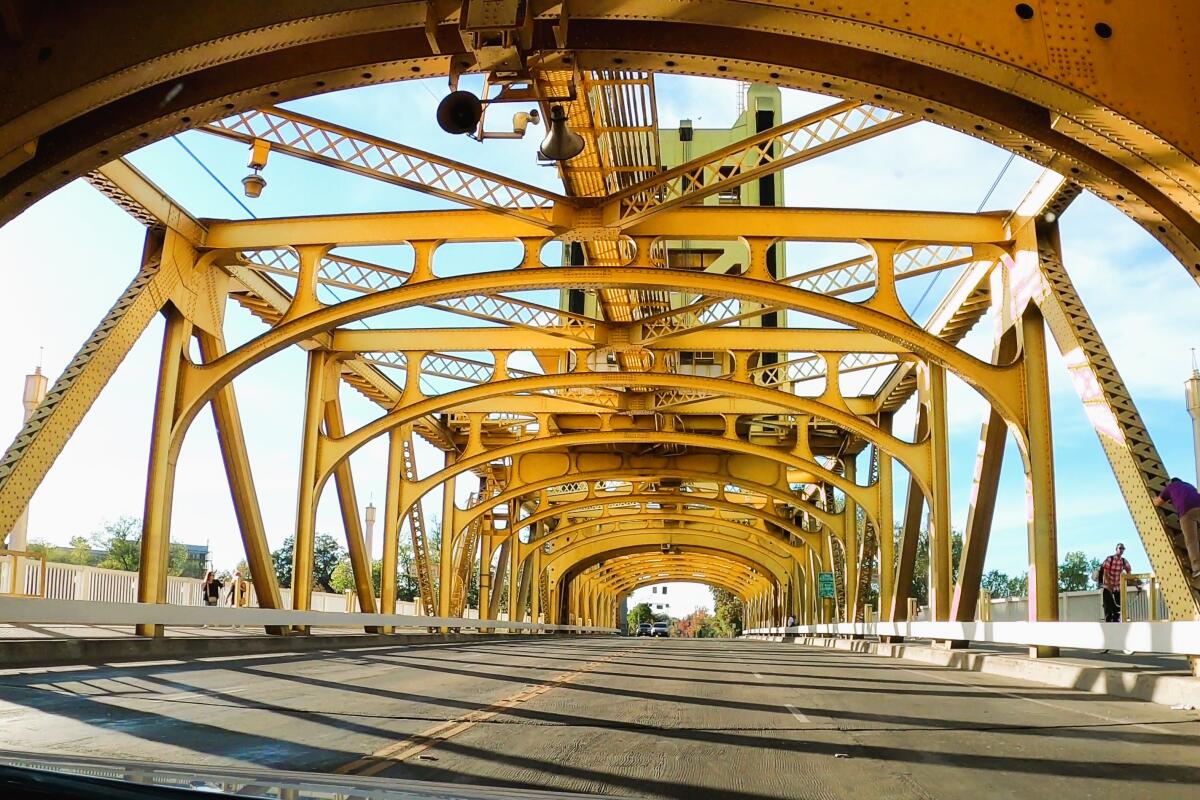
728	222
802	139
354	151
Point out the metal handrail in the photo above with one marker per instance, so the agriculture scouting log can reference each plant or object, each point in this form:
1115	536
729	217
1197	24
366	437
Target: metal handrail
17	555
1152	589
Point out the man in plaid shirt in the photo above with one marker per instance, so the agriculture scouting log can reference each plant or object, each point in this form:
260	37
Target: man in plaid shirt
1110	581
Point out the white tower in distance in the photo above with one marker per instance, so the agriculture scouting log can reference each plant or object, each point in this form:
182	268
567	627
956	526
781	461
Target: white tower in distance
1191	393
370	532
18	538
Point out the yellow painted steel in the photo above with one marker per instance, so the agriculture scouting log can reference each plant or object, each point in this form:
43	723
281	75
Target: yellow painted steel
676	436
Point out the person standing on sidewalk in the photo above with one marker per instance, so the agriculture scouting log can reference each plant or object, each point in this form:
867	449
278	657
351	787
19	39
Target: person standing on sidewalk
1110	581
212	589
1184	498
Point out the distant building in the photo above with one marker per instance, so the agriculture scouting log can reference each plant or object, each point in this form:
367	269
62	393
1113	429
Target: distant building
653	596
197	557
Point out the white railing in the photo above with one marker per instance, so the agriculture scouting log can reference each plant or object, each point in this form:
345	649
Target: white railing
1179	638
99	585
21	573
1086	606
39	611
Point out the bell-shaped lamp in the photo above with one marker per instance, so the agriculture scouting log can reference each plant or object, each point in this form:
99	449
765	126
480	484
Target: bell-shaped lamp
561	143
459	112
253	184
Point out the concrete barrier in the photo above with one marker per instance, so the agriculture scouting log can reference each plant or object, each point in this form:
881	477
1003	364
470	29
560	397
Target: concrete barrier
1137	685
51	652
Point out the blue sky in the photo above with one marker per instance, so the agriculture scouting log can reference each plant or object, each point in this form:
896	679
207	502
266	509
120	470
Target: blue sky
71	255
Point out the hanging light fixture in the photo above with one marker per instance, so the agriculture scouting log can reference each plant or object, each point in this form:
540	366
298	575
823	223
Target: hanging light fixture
459	112
561	143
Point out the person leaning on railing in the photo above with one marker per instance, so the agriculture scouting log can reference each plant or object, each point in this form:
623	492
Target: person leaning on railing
1184	498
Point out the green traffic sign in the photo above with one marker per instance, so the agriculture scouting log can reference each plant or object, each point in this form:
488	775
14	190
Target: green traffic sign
825	584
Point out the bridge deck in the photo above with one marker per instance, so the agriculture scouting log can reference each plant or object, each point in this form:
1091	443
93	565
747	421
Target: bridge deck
635	717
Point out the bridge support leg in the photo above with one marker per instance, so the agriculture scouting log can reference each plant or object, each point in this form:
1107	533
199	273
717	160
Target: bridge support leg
940	567
307	496
535	583
850	542
909	534
160	479
885	532
228	424
524	587
446	547
989	459
1039	478
360	559
391	525
485	577
499	580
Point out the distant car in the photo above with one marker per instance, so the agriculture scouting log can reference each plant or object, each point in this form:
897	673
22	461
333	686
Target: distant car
645	629
661	629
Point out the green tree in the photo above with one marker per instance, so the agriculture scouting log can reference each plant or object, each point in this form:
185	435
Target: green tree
710	628
920	588
79	552
342	579
40	547
179	563
326	555
1075	572
121	541
377	577
727	612
407	585
639	614
997	584
281	559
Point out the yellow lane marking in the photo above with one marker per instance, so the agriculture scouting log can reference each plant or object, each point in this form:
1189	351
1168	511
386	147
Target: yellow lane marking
419	742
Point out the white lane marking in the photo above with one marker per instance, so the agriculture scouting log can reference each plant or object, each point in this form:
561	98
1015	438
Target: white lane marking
1046	703
798	714
760	677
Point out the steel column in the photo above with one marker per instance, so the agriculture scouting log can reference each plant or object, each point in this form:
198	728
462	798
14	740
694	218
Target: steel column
910	532
391	523
307	495
360	559
160	478
1039	477
445	588
231	439
850	540
989	458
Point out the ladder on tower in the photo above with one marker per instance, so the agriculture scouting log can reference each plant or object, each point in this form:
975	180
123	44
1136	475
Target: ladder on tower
416	526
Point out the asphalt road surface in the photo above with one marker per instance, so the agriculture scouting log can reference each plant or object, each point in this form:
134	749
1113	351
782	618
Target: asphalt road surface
631	717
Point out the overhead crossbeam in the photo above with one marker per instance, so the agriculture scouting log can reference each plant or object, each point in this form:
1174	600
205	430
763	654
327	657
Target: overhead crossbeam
354	151
803	139
362	277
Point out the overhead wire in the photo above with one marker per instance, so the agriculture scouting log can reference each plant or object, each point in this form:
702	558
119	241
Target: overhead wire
988	196
991	189
210	173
